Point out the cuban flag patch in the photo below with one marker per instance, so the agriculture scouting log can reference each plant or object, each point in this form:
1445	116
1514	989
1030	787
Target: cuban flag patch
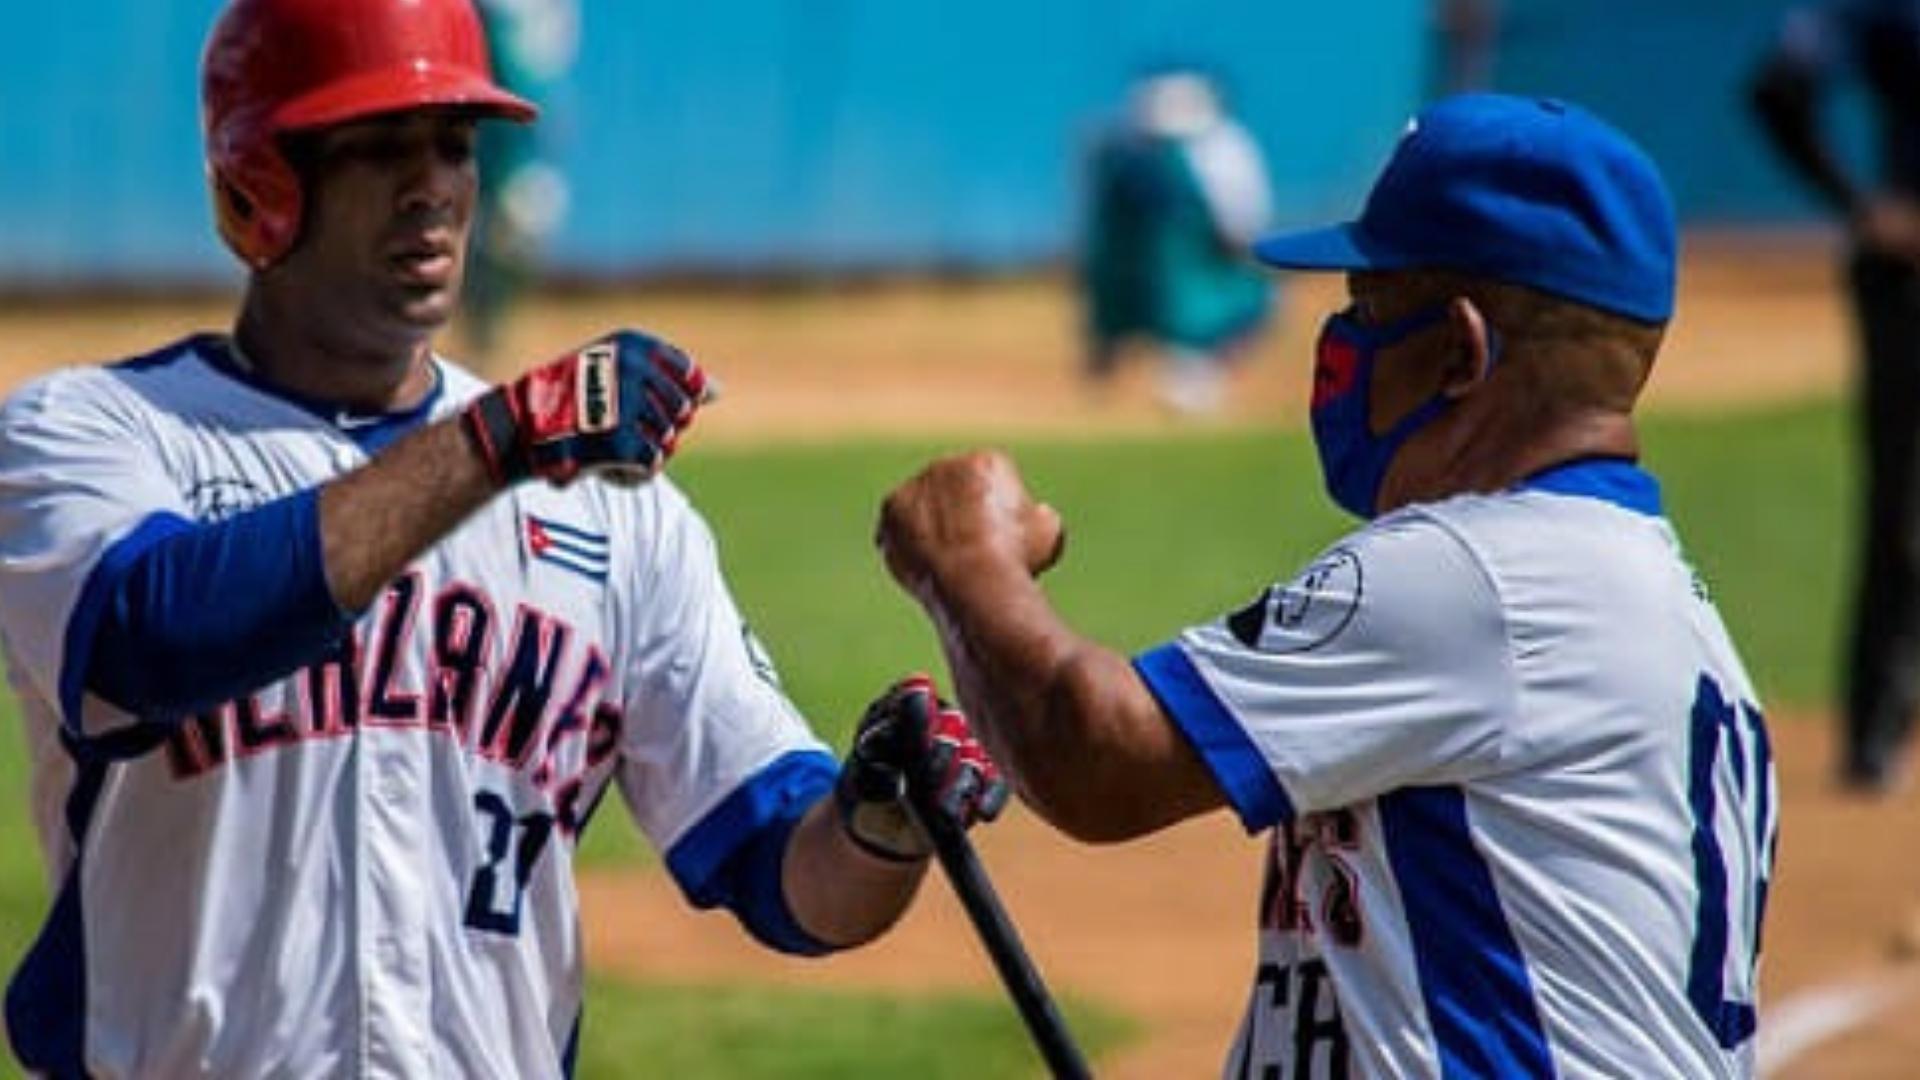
569	547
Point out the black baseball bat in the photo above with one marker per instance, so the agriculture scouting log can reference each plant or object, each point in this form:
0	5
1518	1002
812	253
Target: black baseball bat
990	921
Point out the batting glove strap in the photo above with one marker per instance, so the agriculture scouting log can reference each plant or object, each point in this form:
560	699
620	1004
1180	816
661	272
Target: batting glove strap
619	403
883	828
496	433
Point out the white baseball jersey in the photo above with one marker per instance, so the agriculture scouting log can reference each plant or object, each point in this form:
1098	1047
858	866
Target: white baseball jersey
1522	802
366	867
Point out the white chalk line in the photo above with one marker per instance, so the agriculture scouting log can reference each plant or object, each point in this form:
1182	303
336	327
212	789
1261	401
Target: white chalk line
1810	1017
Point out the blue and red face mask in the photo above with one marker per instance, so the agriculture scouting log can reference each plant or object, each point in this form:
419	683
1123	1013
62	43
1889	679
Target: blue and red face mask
1353	459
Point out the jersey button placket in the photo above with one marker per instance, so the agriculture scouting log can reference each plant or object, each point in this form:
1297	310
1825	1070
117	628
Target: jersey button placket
397	847
396	786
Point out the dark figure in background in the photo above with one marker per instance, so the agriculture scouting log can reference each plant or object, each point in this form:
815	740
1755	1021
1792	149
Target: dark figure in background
1877	41
1469	37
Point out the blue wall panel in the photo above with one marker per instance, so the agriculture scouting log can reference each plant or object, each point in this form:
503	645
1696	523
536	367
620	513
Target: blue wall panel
733	133
99	139
856	132
1675	76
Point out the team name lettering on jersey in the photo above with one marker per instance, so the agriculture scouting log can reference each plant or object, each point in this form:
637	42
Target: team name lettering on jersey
1334	910
1294	1003
531	700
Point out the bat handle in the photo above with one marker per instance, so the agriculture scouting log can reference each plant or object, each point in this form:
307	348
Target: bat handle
997	933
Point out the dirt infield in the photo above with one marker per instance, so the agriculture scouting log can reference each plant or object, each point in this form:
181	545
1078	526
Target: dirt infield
1755	322
1163	928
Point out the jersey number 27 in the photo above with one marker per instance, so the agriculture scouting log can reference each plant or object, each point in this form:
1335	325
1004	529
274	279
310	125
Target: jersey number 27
493	901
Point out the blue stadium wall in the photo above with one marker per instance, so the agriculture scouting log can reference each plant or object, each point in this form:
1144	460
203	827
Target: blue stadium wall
756	134
1674	73
729	133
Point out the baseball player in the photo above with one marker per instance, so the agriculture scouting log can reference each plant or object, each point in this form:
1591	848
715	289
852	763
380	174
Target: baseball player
1877	42
1522	807
329	652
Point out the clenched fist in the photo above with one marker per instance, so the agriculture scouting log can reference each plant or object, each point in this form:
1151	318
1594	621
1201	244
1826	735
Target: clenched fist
965	510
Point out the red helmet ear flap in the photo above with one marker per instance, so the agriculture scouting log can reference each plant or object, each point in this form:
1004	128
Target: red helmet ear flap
258	204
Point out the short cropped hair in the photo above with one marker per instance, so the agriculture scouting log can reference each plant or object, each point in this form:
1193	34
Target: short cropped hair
1581	356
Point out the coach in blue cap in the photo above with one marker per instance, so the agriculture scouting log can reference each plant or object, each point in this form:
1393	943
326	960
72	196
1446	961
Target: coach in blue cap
1502	229
1522	804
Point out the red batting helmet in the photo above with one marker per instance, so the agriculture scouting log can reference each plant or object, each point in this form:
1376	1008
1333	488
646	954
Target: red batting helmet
278	66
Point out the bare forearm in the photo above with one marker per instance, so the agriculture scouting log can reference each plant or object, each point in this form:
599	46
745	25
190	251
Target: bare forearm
1007	650
378	518
1087	746
1085	741
837	892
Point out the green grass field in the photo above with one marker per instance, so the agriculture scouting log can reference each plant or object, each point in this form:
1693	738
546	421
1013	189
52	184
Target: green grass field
744	1033
1165	532
1161	533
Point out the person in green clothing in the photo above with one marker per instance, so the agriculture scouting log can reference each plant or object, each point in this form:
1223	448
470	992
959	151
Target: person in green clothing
1175	193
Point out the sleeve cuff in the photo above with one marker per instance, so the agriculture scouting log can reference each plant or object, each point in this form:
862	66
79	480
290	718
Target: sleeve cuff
1222	743
733	856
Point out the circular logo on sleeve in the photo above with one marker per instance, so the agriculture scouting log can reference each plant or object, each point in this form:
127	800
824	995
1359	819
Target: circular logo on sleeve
1305	613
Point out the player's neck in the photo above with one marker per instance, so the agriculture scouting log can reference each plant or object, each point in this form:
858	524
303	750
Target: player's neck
314	362
1493	457
1597	434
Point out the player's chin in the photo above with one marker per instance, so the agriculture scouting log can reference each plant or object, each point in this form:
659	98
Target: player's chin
425	307
424	293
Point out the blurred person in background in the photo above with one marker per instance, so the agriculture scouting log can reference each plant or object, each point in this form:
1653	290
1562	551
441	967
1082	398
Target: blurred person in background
1877	42
523	194
1175	194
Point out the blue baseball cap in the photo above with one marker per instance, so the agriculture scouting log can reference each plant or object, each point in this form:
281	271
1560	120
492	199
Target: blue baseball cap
1528	191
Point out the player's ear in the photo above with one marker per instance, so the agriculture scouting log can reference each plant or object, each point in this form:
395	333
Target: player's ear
1474	349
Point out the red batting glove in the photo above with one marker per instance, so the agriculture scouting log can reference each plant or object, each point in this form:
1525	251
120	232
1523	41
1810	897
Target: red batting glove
910	736
618	404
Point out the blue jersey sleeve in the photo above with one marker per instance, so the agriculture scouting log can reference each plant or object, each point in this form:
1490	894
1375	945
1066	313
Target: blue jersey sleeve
179	616
733	857
1220	740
